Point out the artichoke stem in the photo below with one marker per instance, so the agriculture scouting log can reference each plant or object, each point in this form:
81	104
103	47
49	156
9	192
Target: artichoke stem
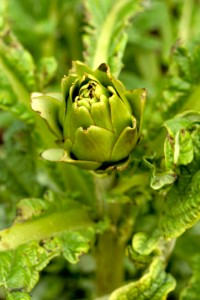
110	262
110	249
103	183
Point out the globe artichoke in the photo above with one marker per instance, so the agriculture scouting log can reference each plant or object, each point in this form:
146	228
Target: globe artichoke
96	121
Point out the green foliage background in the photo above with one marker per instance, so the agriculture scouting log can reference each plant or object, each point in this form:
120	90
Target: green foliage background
152	44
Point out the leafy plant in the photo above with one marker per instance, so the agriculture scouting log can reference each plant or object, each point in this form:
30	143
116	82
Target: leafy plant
100	191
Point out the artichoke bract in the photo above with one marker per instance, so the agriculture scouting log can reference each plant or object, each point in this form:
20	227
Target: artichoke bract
97	122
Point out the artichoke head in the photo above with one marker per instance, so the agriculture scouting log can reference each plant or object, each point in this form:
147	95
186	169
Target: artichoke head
97	122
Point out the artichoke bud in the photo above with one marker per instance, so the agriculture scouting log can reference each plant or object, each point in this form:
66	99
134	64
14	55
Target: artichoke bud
96	121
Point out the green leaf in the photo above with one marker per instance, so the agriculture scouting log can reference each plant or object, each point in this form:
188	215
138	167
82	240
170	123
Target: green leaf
43	230
17	68
178	146
182	206
181	209
160	178
18	71
105	37
182	92
73	216
183	153
144	244
8	100
154	285
17	64
76	243
20	268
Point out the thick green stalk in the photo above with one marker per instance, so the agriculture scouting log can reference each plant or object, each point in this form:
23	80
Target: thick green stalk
103	183
109	252
110	262
50	224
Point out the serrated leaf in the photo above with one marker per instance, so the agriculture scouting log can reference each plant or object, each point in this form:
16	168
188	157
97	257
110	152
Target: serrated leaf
8	101
18	70
183	91
154	285
145	244
105	37
41	232
183	153
178	146
181	210
182	207
17	63
20	268
160	178
183	120
179	149
181	201
76	243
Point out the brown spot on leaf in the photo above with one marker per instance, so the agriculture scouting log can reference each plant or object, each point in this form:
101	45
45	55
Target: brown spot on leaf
103	67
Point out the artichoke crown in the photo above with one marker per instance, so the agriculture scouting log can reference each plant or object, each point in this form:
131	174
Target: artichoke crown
96	121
